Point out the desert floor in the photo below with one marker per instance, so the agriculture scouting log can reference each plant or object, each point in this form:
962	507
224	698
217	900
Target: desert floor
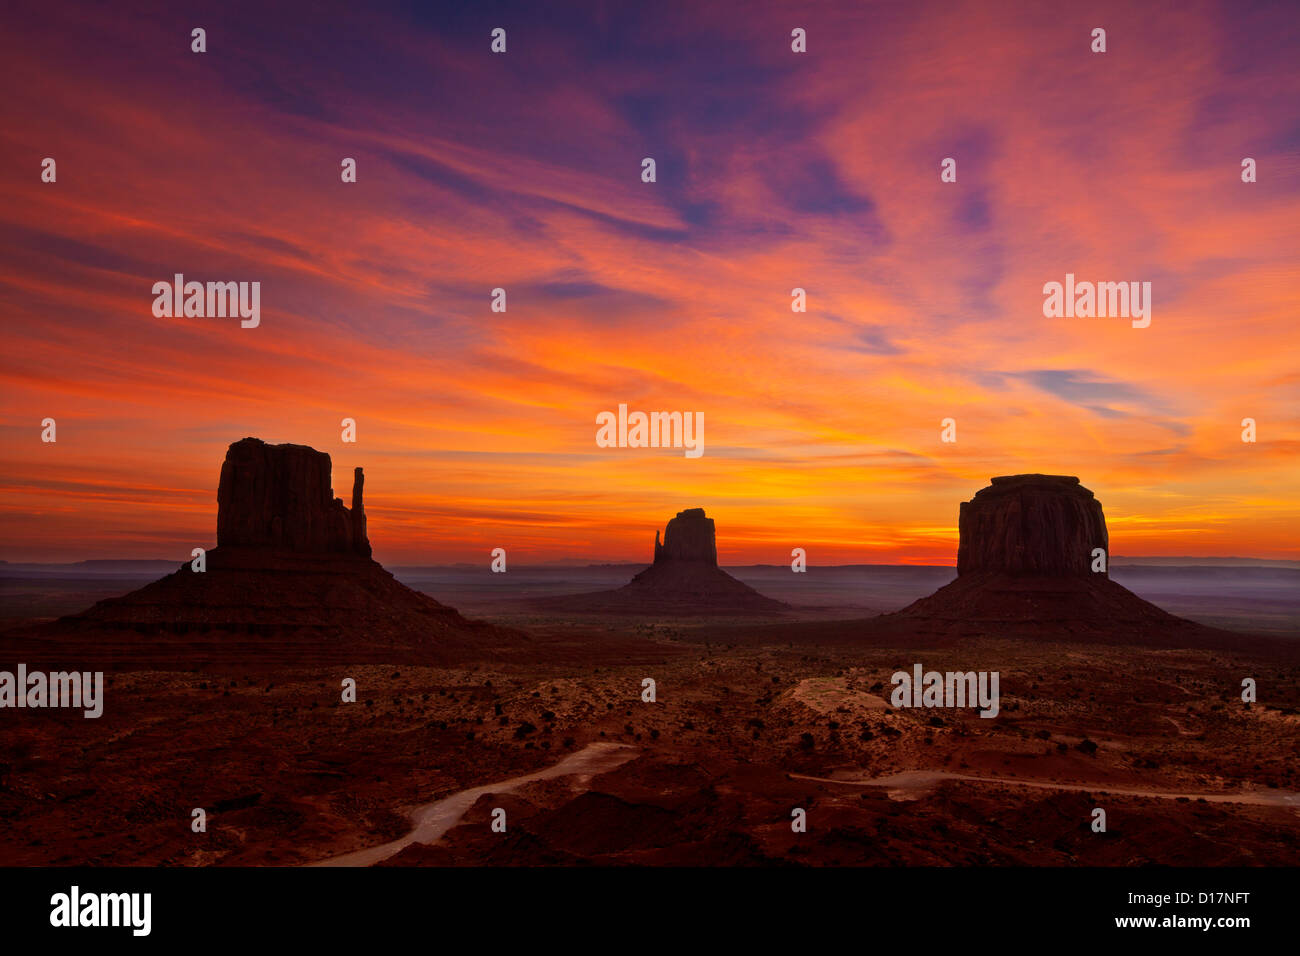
749	724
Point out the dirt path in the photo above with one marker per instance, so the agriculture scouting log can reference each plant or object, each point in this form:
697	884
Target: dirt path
913	783
432	820
1182	731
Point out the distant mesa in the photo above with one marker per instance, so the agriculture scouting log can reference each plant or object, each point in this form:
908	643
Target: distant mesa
683	580
1025	556
291	579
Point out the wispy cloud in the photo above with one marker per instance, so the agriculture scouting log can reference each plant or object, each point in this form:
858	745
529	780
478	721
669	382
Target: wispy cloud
775	171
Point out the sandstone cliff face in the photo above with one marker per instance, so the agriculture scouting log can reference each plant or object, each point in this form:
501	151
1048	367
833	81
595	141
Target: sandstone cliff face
689	537
279	497
1031	525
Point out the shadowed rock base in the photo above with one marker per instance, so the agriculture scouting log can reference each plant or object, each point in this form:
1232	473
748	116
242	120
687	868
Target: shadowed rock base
272	606
1077	603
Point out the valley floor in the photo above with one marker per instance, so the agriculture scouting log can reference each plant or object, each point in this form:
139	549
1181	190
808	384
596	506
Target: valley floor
742	732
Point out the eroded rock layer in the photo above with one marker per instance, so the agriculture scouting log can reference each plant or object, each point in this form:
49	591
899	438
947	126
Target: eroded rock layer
279	496
689	537
1031	524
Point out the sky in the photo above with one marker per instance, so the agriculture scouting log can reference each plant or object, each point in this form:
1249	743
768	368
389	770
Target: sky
775	170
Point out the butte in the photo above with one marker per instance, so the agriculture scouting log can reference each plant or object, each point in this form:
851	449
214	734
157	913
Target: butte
683	580
1024	566
291	581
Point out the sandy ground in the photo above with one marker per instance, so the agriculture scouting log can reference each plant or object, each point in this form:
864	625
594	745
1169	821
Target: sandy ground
741	734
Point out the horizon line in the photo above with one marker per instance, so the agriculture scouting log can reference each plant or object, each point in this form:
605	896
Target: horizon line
1113	561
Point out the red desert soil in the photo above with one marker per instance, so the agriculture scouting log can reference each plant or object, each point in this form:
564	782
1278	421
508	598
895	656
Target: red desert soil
744	716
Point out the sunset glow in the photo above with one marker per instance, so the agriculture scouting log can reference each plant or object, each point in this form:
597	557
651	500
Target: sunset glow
477	429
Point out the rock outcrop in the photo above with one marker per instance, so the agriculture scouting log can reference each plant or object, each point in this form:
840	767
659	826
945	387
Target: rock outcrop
1025	559
291	580
1031	524
689	537
684	580
360	543
279	497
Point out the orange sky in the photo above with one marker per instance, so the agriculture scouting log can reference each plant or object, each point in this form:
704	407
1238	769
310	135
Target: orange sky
775	170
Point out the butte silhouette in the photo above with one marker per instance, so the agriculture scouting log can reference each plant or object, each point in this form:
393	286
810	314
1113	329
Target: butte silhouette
683	580
291	580
1025	555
